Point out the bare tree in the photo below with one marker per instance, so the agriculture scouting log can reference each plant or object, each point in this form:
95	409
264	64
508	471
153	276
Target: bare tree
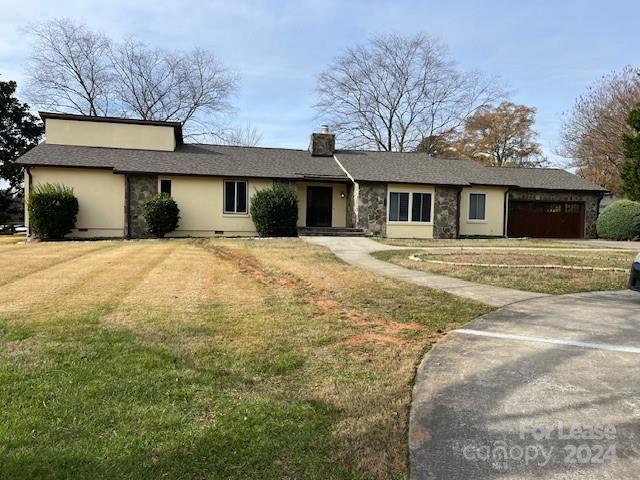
592	132
76	70
69	68
501	136
160	85
241	136
395	91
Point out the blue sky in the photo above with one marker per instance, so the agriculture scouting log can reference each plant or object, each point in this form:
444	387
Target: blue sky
545	52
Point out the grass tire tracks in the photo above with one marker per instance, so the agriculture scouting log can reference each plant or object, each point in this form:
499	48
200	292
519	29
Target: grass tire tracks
55	264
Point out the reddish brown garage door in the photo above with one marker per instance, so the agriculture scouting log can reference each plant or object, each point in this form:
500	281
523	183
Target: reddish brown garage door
546	220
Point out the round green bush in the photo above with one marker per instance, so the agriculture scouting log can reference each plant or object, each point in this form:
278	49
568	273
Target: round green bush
274	211
53	209
620	221
161	213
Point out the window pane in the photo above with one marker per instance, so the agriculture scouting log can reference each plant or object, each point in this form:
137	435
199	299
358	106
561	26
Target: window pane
421	207
241	202
229	196
403	215
393	207
165	186
426	207
572	207
553	208
416	208
477	206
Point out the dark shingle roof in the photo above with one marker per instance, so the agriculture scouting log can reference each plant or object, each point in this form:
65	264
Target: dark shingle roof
405	167
211	160
217	160
410	167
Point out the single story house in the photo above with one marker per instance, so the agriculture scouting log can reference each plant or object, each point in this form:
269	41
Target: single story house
114	164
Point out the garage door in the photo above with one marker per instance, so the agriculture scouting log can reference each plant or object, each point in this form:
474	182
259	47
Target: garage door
546	220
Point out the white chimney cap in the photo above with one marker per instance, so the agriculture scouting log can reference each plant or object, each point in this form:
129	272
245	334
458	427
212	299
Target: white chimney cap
324	128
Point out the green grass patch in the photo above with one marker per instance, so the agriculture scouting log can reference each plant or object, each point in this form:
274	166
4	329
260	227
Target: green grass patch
235	360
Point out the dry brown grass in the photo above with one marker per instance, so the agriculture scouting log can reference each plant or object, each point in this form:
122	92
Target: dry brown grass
554	281
278	321
11	239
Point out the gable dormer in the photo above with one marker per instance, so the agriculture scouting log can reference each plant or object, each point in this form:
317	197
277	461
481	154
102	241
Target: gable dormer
111	132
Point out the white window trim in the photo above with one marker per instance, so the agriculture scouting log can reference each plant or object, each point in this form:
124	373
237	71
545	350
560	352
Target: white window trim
410	192
225	212
477	220
160	179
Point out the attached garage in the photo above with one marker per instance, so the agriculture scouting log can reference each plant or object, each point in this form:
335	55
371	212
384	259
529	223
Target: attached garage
546	219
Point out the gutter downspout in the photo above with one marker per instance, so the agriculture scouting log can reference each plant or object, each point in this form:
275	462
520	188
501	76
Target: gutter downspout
458	208
26	200
355	191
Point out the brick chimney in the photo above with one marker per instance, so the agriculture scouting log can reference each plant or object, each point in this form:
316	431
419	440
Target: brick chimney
322	144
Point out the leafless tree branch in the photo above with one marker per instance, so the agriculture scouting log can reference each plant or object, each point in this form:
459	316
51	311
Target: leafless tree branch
394	91
592	132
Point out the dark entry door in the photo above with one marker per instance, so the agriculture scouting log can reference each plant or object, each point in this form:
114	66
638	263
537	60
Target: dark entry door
546	220
319	206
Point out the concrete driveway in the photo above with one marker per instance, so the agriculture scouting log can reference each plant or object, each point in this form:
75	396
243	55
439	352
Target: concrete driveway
516	394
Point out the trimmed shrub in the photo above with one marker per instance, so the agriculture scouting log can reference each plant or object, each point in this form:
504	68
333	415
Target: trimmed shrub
274	211
620	221
162	214
53	209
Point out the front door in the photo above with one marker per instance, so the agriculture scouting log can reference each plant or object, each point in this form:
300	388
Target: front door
319	206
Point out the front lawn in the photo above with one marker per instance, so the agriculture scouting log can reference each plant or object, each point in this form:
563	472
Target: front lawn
238	359
11	239
536	276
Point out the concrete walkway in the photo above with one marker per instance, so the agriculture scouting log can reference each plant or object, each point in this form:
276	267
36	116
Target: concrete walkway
357	251
512	395
607	244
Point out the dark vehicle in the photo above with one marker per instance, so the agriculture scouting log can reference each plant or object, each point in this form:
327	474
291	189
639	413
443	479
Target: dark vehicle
634	278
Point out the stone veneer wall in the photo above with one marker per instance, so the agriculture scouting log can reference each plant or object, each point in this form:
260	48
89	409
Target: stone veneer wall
446	213
138	189
591	204
370	201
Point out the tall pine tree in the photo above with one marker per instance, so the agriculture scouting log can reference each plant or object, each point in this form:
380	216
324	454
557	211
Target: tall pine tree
19	132
630	174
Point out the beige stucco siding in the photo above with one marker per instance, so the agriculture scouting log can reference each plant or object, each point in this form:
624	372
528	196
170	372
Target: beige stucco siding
338	203
100	196
493	224
201	201
410	229
104	134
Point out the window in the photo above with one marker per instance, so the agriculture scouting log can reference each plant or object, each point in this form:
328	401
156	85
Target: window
477	202
421	208
398	207
553	208
165	186
235	196
572	207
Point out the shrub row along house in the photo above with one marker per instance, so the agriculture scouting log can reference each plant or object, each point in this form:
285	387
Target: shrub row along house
114	164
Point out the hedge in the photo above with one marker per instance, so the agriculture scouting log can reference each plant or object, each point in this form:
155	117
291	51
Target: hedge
620	221
53	209
274	211
161	213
